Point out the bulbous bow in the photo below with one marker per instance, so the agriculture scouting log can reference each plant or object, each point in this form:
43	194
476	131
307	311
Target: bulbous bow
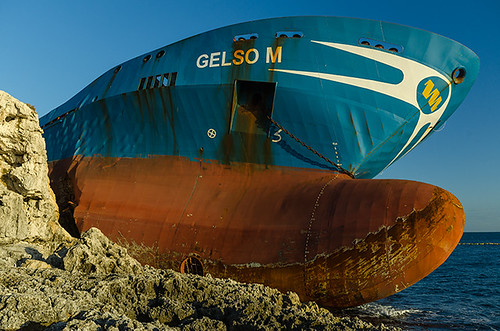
374	238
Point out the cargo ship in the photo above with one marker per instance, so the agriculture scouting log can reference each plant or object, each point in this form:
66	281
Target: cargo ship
249	152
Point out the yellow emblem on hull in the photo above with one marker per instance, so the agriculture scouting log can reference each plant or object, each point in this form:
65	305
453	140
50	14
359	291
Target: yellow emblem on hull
432	95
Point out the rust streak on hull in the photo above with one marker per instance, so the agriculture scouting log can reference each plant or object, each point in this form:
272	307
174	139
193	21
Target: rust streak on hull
336	240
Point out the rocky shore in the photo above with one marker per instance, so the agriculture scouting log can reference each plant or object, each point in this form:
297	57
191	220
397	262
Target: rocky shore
93	285
52	281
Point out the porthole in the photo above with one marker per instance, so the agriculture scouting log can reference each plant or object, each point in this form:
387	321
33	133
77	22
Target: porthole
394	48
192	265
289	34
160	54
146	58
458	75
246	36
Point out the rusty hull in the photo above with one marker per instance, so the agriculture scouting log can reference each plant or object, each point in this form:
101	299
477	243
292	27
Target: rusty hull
339	241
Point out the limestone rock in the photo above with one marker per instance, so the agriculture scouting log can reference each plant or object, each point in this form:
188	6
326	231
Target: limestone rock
95	253
28	209
153	300
93	284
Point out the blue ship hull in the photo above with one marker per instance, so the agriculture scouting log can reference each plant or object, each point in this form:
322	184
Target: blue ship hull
248	152
360	106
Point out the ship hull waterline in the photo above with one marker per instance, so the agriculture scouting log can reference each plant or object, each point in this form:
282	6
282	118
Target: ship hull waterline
338	241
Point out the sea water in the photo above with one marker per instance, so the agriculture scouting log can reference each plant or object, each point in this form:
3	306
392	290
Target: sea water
462	294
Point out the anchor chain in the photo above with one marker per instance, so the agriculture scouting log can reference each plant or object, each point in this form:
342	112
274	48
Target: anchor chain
337	166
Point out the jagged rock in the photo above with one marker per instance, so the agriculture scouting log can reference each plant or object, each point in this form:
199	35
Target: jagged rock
104	288
96	320
94	284
153	299
95	253
35	264
28	209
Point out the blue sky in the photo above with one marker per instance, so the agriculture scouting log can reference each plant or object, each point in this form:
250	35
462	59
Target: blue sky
50	50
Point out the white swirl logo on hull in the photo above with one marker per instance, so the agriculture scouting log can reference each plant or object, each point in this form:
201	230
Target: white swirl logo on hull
418	80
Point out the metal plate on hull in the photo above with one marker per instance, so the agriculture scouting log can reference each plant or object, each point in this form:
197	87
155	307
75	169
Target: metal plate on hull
332	239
